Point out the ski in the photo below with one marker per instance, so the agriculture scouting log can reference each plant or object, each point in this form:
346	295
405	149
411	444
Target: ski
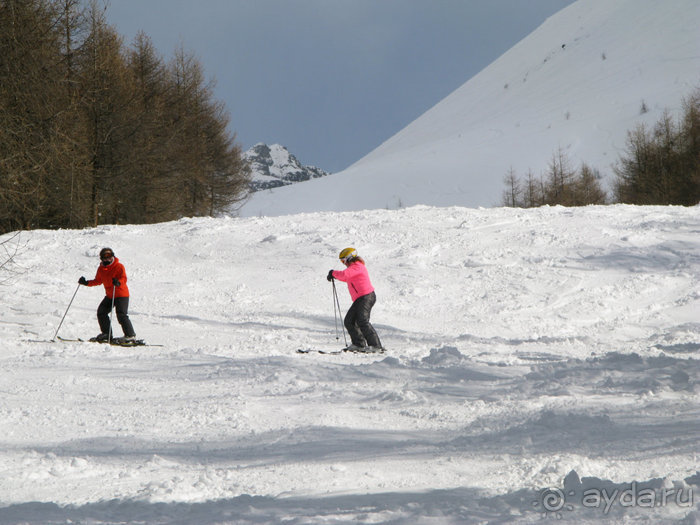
335	352
316	351
117	341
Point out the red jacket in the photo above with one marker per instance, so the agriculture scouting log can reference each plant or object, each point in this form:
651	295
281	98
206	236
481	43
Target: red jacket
104	276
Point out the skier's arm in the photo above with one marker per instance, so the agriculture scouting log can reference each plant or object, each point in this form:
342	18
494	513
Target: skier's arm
119	276
96	281
345	275
340	275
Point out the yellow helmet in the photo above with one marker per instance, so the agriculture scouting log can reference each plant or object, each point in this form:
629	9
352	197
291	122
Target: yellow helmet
347	253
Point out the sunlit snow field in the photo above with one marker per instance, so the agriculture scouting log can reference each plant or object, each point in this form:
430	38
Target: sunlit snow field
525	347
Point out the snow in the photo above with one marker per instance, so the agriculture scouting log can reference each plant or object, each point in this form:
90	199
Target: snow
527	349
541	364
281	162
578	83
273	166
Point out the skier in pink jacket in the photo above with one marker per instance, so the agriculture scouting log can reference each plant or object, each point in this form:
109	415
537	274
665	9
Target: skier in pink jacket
362	334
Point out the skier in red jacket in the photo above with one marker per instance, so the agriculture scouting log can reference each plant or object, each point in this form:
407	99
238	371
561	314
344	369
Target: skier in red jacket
112	275
362	334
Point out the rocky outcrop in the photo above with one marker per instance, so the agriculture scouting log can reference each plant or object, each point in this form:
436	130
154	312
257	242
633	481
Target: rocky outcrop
273	166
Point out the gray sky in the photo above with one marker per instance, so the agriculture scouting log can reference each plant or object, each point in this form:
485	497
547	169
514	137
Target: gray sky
331	79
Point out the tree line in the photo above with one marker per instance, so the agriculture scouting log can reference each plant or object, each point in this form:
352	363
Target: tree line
660	165
94	132
560	185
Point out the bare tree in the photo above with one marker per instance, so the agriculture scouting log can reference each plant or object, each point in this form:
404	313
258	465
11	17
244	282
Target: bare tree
559	180
534	192
9	250
561	186
513	191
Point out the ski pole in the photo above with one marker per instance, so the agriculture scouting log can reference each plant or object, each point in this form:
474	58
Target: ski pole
335	312
64	315
111	314
336	303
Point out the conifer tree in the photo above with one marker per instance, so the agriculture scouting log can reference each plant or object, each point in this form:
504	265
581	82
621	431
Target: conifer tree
148	157
32	101
661	166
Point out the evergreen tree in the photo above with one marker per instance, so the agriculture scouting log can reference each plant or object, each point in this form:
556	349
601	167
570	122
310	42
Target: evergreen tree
152	188
661	166
209	168
92	133
689	162
587	187
33	102
107	97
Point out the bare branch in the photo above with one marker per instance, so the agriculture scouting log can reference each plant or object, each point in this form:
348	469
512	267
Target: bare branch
9	250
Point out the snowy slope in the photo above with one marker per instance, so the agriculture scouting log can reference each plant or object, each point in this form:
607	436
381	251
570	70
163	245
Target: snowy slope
527	349
578	83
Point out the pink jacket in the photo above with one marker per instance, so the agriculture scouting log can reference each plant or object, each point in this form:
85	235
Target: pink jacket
357	278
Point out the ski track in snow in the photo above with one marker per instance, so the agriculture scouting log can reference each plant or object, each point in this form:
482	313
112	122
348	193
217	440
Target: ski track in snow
522	345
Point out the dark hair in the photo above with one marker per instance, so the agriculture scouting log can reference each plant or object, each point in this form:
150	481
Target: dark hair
104	251
357	258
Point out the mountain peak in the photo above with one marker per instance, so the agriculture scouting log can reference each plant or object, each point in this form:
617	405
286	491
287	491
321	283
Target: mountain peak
273	166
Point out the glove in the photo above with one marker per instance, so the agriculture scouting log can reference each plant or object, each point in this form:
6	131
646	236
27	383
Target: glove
116	282
330	276
83	281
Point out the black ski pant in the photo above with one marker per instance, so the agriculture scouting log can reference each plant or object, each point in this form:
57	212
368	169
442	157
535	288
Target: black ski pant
361	331
121	306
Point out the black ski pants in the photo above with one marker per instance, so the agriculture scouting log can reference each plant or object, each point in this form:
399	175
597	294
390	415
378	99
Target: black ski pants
361	331
121	306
